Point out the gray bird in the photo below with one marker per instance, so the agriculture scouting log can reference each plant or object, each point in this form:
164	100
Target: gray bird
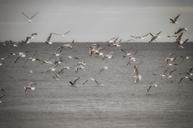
28	38
28	17
174	20
154	37
74	82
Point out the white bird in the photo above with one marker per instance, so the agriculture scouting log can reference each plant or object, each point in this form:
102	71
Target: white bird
29	18
137	77
30	87
48	39
10	54
188	75
151	85
20	55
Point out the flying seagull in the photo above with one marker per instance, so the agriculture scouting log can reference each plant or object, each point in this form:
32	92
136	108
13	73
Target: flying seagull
188	75
62	35
128	52
168	74
154	37
170	59
94	80
174	20
48	39
151	85
103	69
28	17
73	82
139	37
180	42
30	87
10	54
181	30
20	55
28	38
137	76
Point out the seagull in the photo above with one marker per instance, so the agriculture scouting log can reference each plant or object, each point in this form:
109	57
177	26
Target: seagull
188	75
107	56
10	54
62	35
94	80
151	85
172	36
170	59
131	60
30	87
28	17
154	37
48	40
167	73
73	57
181	30
73	82
180	42
79	67
61	71
61	48
28	38
174	20
20	55
139	37
115	41
103	69
95	49
128	53
137	76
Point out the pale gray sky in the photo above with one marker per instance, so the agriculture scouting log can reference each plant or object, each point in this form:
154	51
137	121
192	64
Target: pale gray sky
93	20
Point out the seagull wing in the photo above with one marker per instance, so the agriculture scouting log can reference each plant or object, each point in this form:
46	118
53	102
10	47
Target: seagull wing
176	18
66	32
180	81
172	20
34	15
25	15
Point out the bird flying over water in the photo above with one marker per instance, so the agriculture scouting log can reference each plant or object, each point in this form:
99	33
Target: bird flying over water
137	76
73	82
180	30
174	20
29	18
154	37
30	87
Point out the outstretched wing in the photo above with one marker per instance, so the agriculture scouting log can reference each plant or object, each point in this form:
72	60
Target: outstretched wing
25	15
33	15
176	18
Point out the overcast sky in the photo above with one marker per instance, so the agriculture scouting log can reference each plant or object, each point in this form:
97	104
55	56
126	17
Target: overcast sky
93	20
